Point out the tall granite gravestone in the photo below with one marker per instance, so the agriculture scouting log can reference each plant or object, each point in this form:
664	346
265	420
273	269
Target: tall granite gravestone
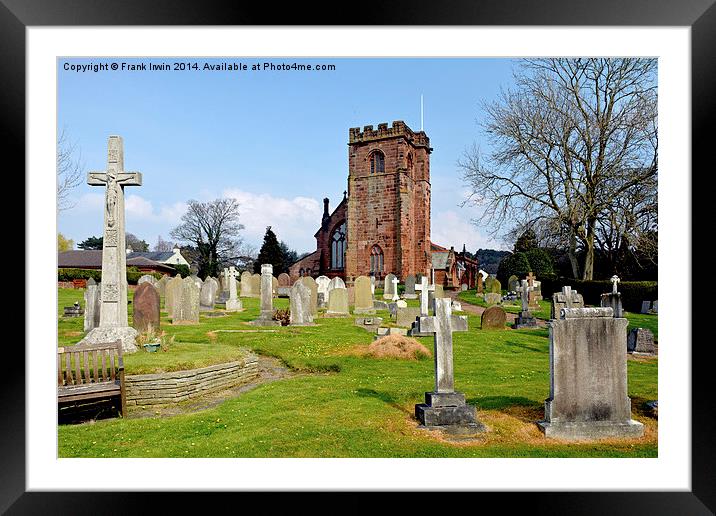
233	304
512	283
363	296
410	287
309	282
245	284
186	306
145	308
389	286
493	318
256	285
525	319
444	408
322	283
613	299
300	305
207	294
266	289
173	294
641	340
147	277
338	302
588	369
568	298
113	321
92	305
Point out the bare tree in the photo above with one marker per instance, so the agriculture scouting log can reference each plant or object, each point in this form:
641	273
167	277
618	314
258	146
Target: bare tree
69	170
571	139
163	245
213	227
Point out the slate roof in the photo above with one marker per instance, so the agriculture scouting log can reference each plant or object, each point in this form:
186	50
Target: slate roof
157	256
440	259
92	259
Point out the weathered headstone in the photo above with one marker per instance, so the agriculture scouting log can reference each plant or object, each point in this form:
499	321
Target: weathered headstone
197	281
274	286
512	283
148	278
233	304
372	285
145	308
186	307
173	294
113	321
444	407
405	317
338	302
532	295
266	289
207	294
256	285
645	307
162	285
223	293
92	305
613	299
410	287
309	282
568	298
300	305
456	306
389	288
479	289
322	283
493	318
284	285
463	287
641	340
588	388
363	296
245	284
655	307
525	319
492	299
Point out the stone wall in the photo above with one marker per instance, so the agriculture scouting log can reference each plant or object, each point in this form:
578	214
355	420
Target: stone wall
152	389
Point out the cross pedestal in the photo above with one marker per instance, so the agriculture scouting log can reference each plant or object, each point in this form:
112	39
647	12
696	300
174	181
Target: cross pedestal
113	322
444	408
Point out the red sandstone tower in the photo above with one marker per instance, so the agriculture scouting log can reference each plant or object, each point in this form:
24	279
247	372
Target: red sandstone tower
388	215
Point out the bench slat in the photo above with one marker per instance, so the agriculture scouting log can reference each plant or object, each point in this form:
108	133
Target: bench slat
85	361
78	373
94	362
111	365
68	369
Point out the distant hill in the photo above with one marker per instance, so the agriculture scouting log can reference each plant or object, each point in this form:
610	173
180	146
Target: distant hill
489	259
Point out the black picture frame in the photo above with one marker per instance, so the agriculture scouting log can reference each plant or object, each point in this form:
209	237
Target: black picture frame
699	15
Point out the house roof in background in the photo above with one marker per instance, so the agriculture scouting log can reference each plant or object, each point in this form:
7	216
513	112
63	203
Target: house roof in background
92	259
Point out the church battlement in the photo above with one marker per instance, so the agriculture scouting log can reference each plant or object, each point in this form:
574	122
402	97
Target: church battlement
399	128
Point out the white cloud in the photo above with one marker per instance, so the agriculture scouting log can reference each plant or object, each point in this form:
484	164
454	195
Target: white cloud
294	220
449	228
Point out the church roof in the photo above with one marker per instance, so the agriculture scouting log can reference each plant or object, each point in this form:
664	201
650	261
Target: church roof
157	256
440	259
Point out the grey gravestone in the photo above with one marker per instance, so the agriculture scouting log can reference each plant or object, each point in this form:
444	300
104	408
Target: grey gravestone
493	299
145	308
641	340
274	286
173	293
568	298
207	295
645	307
256	285
437	293
311	284
233	304
405	317
525	319
113	321
493	318
588	388
92	305
456	306
363	296
266	289
655	307
410	287
300	305
532	295
370	324
284	285
197	281
162	285
444	407
186	307
464	287
338	302
223	293
614	301
512	283
245	284
389	287
380	305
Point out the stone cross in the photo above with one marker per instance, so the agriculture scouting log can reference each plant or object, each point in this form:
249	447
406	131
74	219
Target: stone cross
531	280
424	293
443	324
395	289
615	279
230	275
227	278
113	309
524	291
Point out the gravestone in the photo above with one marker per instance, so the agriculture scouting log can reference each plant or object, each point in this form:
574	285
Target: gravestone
568	298
207	294
655	307
274	286
645	307
492	299
284	285
245	284
266	290
401	303
336	283
479	289
588	371
641	340
363	296
456	306
233	303
464	287
309	282
613	299
489	282
113	321
147	278
322	294
525	319
512	283
425	291
162	285
389	287
197	281
395	289
405	317
437	293
92	305
493	318
173	293
445	408
300	305
538	290
410	287
145	308
532	296
372	285
256	285
186	307
338	302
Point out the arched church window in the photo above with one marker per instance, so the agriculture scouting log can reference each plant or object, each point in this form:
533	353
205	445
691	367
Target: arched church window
377	162
376	261
338	247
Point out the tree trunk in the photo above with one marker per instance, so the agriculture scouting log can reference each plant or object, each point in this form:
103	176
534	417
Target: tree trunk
573	254
589	255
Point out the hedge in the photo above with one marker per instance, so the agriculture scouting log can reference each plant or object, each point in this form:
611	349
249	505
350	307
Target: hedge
72	274
633	292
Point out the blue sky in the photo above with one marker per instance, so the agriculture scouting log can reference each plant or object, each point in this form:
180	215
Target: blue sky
275	140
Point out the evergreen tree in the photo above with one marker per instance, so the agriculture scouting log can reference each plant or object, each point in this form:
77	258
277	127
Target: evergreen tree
270	253
290	256
92	242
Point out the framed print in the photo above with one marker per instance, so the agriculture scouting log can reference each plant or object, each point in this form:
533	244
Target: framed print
422	257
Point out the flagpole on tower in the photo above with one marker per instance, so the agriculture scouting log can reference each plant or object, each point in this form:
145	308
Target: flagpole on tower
421	111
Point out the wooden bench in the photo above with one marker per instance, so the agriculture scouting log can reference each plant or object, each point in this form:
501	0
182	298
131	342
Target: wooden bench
91	371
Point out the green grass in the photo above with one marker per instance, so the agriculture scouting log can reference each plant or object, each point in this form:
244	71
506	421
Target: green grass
350	406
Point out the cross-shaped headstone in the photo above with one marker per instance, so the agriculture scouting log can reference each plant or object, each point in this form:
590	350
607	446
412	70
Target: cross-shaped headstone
395	288
531	280
231	279
524	291
615	279
443	324
113	308
424	290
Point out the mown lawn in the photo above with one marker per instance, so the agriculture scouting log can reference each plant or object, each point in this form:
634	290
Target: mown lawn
349	406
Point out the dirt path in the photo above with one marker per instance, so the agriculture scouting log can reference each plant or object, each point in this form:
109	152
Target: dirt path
270	370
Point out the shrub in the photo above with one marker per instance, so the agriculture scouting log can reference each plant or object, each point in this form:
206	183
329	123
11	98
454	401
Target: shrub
283	316
182	270
72	274
513	264
540	263
633	292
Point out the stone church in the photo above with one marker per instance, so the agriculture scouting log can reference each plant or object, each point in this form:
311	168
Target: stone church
382	225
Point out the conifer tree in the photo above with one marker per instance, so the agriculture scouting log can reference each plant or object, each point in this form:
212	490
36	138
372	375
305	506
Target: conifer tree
270	252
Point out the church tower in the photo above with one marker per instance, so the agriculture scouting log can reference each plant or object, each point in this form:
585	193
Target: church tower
388	212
